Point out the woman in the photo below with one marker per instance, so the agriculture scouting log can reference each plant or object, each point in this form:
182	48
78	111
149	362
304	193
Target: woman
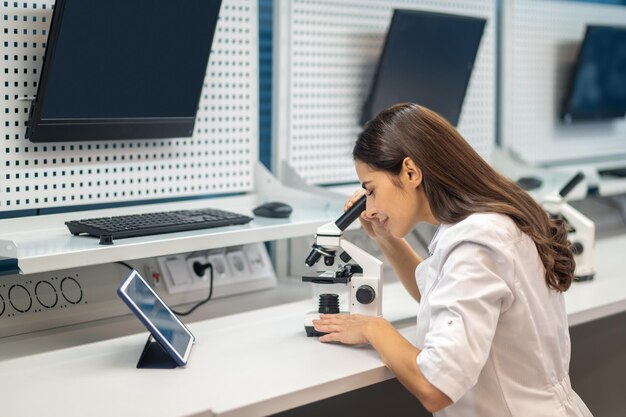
492	333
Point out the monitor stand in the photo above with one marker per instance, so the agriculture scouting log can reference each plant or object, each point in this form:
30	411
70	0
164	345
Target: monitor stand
154	356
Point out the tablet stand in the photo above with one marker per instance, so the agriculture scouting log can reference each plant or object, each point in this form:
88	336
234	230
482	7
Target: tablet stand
154	356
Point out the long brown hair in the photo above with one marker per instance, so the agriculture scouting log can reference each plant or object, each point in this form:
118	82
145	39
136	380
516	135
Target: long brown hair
458	182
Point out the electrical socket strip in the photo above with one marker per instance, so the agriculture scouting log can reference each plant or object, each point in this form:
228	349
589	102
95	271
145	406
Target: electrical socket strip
47	300
235	270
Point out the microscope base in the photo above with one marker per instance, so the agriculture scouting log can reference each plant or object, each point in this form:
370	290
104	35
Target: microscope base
308	323
581	278
584	271
311	332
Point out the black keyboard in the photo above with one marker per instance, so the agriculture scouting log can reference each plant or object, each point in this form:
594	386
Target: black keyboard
109	228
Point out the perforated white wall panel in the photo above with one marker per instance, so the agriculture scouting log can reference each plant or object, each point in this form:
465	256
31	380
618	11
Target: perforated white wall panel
218	158
324	63
541	42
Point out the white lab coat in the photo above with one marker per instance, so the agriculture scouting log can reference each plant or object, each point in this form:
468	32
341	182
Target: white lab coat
493	337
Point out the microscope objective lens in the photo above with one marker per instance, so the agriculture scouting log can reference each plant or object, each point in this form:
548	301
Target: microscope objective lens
329	304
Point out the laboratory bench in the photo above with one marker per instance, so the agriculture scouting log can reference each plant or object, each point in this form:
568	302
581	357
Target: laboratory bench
252	363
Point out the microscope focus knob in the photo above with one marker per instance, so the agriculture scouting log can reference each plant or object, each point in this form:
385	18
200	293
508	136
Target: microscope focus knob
577	248
345	257
365	294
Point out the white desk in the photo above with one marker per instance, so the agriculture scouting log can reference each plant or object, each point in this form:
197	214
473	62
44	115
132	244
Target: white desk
606	294
253	363
248	364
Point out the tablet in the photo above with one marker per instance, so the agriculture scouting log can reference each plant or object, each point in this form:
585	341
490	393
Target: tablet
164	326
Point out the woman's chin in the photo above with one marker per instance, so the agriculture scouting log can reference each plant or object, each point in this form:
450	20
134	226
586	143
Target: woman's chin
400	234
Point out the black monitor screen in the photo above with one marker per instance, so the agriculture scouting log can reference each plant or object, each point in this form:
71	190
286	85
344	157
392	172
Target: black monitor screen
123	69
598	86
427	59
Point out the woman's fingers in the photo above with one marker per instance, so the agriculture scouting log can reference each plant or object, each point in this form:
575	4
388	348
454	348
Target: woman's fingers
332	324
329	323
330	337
333	318
353	199
327	328
330	319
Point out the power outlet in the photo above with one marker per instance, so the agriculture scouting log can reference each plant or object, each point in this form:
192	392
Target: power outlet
179	274
259	264
195	265
221	268
239	264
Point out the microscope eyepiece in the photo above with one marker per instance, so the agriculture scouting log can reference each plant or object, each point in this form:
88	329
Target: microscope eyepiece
352	214
571	184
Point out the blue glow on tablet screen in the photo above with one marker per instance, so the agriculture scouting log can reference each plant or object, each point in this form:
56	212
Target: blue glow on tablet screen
156	312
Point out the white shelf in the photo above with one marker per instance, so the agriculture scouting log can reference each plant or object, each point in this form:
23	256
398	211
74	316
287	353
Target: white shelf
43	243
552	179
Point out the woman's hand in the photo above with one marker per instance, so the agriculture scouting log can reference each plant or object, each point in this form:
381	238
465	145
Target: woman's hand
350	329
371	224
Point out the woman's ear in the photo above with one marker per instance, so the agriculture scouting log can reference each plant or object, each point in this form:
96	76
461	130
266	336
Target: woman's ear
411	173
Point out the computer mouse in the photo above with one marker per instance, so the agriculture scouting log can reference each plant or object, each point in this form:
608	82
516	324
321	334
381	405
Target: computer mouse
529	183
273	209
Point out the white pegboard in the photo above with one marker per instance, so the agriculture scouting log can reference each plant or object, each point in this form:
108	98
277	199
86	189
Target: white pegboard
325	57
541	40
218	158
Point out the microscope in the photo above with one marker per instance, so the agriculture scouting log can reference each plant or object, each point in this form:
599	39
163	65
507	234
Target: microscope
363	277
581	229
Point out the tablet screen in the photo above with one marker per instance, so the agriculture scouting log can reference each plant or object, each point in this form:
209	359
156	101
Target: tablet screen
155	312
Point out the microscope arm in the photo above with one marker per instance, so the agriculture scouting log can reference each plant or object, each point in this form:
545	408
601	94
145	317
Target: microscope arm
371	266
575	218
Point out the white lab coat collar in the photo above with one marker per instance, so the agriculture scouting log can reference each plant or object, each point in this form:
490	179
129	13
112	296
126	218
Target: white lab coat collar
433	242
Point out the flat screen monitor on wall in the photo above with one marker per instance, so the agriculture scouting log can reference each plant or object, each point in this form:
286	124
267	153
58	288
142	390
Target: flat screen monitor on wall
123	69
598	85
427	59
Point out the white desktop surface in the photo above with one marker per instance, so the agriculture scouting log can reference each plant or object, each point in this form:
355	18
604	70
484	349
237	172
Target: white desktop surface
247	364
606	294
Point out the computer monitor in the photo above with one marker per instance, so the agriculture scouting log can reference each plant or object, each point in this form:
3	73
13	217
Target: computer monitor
123	69
598	85
427	59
